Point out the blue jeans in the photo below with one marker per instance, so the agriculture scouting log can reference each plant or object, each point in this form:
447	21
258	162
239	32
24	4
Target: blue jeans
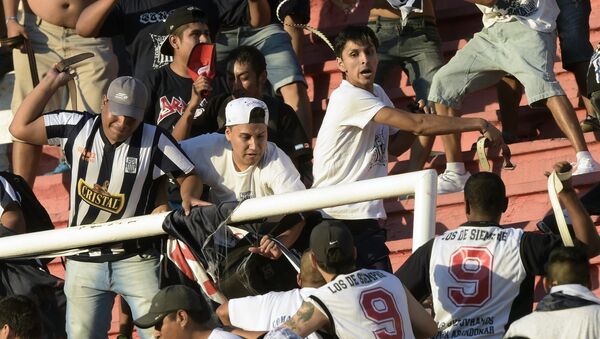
91	288
416	47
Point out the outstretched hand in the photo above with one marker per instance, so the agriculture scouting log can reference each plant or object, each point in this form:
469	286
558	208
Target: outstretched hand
267	248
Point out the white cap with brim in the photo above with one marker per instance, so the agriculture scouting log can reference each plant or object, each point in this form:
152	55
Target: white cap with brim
246	111
127	96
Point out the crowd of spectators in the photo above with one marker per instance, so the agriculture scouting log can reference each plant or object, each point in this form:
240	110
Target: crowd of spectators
143	132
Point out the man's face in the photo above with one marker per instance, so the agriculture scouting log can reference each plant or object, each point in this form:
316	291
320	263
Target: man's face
169	328
117	128
195	33
248	143
244	82
359	63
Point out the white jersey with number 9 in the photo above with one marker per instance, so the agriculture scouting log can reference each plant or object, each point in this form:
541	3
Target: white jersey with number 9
475	275
365	304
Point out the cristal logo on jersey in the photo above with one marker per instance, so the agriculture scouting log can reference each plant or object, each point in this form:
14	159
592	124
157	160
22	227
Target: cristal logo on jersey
98	196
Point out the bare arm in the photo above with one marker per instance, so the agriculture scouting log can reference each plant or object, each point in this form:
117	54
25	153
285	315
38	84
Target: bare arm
422	323
269	248
306	320
297	35
28	123
223	314
13	219
183	127
92	18
191	191
427	124
259	12
13	27
584	228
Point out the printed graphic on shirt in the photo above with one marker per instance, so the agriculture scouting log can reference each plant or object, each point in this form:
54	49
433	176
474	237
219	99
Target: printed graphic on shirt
131	165
98	196
168	107
378	157
86	155
523	8
159	59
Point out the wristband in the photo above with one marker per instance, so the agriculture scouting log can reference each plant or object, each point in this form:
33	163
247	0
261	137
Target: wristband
13	18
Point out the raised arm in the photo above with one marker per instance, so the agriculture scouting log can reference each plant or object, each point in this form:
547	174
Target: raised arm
92	18
427	124
28	123
584	228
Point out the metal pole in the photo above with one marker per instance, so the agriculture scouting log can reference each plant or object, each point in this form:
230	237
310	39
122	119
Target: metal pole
424	210
312	199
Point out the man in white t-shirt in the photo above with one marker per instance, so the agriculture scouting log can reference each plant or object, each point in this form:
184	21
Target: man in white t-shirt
352	143
242	164
570	310
179	312
356	303
518	38
268	311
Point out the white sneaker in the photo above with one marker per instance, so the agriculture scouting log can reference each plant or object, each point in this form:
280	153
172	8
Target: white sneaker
450	182
586	165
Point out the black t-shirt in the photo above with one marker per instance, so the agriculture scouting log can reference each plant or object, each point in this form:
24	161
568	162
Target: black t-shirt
284	130
534	250
593	83
141	23
169	95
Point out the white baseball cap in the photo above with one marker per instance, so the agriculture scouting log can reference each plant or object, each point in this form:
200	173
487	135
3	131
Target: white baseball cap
246	111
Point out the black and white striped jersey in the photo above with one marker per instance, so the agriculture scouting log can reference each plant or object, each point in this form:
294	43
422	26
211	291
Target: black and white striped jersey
111	182
8	195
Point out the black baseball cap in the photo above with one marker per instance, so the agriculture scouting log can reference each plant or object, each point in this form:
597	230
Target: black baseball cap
168	300
177	18
333	246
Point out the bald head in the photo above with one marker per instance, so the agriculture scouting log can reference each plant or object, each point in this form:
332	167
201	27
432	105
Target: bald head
309	275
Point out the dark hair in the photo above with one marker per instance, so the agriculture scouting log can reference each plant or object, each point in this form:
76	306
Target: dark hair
359	34
568	265
485	192
22	315
248	55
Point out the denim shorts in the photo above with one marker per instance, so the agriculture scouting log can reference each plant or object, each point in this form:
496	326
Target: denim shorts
505	47
274	43
573	26
416	47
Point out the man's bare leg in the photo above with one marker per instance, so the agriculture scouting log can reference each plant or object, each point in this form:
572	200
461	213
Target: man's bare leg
25	160
509	92
455	176
295	95
579	70
419	152
565	118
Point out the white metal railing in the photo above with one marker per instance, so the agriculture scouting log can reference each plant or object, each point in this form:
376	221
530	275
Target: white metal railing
422	184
